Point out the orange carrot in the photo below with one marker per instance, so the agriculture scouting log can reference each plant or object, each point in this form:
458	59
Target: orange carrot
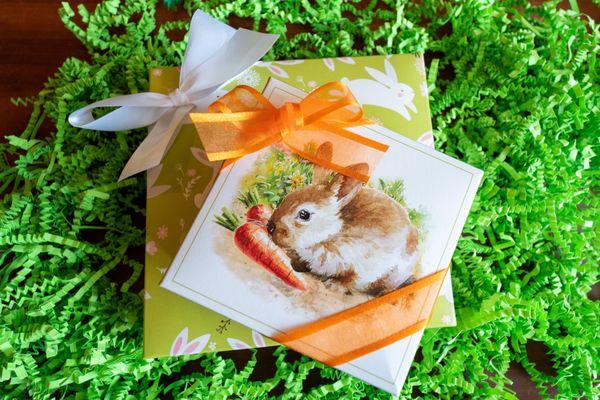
259	213
254	241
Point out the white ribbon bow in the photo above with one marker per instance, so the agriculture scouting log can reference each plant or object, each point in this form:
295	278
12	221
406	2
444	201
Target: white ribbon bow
215	54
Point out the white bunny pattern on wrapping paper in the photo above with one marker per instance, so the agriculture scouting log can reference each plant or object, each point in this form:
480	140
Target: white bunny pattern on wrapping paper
181	345
237	344
384	91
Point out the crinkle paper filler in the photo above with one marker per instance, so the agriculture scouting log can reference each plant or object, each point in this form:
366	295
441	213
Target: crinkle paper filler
513	90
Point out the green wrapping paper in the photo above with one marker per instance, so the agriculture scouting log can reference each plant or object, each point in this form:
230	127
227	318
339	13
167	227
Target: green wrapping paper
513	90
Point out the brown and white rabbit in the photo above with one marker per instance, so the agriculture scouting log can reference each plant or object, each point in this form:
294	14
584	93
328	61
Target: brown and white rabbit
338	229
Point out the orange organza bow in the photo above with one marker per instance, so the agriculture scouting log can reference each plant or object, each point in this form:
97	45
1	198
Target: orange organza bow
243	121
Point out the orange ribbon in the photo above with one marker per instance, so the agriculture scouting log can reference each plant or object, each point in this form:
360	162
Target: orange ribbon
370	326
243	121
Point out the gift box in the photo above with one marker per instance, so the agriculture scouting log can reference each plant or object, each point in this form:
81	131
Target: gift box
177	189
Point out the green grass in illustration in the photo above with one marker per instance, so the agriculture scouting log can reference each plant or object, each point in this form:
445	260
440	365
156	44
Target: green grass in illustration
278	173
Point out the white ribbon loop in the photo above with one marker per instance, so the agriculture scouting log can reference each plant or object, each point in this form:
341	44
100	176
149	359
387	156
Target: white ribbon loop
215	54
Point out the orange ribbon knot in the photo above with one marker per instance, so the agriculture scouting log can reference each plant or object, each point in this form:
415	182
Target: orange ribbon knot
244	121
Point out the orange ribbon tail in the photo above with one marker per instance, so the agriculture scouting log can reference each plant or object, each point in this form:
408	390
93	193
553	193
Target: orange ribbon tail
368	327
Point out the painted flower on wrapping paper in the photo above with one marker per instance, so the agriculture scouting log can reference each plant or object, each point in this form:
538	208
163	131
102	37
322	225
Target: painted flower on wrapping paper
249	78
181	346
447	319
306	86
151	248
186	180
162	232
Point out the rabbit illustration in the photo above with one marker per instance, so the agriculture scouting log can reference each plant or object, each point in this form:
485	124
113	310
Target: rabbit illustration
338	229
385	91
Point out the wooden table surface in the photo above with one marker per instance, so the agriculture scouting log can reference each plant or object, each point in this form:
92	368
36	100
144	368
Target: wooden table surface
34	43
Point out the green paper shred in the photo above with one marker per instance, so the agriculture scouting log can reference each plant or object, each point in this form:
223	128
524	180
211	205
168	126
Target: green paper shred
513	91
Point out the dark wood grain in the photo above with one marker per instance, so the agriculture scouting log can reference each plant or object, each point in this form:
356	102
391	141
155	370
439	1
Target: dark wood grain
34	43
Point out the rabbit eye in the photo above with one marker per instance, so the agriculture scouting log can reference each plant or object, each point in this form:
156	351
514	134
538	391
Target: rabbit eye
303	215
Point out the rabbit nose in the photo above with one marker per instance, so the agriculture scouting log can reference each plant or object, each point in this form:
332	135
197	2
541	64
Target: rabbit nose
270	227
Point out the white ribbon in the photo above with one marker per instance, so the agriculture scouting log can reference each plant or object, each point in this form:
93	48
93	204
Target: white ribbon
215	54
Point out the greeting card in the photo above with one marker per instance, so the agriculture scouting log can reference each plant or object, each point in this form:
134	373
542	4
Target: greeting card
334	247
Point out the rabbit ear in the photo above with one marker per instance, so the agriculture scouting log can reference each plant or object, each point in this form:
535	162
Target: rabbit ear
388	78
324	152
378	76
410	105
390	72
346	187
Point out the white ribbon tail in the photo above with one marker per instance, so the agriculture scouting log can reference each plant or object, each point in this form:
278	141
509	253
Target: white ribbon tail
153	148
135	111
207	35
241	52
